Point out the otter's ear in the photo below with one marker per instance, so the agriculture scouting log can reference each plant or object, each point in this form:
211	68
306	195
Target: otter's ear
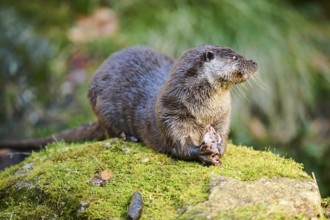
209	55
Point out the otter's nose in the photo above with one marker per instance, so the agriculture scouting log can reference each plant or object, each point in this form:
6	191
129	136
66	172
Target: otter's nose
254	63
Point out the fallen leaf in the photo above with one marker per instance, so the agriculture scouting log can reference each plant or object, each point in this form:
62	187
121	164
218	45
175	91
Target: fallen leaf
102	178
105	175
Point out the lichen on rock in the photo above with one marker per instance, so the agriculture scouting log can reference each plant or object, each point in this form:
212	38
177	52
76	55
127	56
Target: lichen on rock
55	182
279	195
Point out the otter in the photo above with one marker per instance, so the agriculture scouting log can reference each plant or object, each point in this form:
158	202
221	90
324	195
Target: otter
144	95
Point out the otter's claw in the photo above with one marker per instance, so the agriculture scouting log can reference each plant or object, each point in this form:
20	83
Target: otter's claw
208	155
127	137
210	147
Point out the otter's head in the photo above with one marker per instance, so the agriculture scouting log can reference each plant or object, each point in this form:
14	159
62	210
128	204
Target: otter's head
226	65
218	64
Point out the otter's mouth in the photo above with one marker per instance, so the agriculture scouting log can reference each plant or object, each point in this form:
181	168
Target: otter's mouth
240	77
246	71
247	75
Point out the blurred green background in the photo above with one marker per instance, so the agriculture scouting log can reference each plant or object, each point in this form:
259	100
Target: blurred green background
49	51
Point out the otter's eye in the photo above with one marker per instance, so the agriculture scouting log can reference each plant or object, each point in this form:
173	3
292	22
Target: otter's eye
235	58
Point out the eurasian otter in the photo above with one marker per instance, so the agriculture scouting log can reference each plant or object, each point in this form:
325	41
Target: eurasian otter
167	105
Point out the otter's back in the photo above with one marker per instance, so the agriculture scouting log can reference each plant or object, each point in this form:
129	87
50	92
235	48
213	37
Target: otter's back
126	85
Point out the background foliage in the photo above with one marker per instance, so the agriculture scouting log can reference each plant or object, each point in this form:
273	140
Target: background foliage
49	52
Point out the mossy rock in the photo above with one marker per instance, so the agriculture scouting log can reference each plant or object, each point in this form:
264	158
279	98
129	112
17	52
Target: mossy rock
326	207
56	182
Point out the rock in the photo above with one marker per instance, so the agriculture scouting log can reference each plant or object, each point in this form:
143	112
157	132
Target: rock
280	196
136	206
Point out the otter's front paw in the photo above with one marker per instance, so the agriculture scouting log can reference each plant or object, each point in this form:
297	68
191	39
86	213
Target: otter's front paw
208	155
210	147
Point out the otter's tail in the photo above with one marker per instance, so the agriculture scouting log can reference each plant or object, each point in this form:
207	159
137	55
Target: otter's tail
85	132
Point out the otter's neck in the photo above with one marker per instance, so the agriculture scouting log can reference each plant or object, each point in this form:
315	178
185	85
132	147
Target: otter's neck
195	95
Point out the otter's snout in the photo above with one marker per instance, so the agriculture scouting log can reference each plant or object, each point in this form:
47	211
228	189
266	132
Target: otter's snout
249	67
254	65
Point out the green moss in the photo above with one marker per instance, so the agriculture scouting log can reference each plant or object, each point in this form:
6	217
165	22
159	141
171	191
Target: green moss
326	207
57	180
326	201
